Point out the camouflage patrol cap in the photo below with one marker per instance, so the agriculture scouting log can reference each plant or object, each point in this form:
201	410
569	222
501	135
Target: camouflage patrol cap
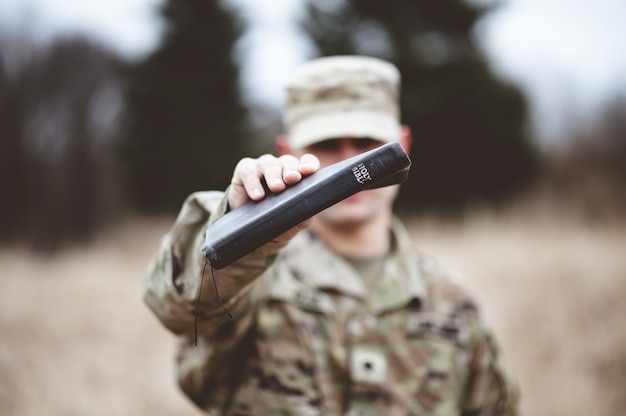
343	96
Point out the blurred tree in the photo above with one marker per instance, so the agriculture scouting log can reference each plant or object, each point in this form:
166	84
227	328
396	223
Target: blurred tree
53	136
589	175
613	143
12	176
470	137
184	121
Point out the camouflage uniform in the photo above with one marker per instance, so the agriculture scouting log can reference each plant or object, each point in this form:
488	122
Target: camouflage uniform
308	338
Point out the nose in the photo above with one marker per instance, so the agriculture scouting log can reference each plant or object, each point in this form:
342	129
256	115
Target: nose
348	148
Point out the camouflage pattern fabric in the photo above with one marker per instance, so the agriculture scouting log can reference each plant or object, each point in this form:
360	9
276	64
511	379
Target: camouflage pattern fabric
308	338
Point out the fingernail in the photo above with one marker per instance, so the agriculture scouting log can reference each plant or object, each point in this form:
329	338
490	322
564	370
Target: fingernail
256	193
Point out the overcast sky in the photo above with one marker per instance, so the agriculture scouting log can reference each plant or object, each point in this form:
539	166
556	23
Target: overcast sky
568	55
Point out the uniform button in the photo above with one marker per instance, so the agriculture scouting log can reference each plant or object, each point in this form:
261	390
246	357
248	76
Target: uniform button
368	366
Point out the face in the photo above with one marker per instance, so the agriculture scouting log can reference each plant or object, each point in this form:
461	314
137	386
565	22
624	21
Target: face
362	207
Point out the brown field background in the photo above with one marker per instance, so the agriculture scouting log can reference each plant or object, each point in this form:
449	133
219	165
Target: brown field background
76	339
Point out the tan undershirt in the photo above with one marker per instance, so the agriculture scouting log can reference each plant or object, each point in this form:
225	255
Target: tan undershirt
369	269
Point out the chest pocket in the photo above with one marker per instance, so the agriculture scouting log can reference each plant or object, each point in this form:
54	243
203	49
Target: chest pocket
444	341
293	370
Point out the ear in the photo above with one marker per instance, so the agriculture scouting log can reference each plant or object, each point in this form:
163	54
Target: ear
282	145
406	138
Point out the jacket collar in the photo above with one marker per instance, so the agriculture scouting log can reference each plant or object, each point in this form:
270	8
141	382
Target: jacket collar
312	264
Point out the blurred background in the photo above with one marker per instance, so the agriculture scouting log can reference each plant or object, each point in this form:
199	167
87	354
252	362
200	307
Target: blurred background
111	113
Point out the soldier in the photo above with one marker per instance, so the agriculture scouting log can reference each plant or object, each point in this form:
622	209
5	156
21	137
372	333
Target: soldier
340	315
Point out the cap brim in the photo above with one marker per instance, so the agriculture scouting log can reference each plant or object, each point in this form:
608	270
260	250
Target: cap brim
376	125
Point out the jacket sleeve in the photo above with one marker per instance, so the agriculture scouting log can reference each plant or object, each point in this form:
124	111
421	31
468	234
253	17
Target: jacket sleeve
490	392
179	272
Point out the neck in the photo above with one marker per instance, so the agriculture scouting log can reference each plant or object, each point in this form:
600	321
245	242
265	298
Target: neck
367	240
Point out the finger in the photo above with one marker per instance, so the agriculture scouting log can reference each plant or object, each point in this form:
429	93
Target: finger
245	183
291	173
294	169
271	169
236	195
308	164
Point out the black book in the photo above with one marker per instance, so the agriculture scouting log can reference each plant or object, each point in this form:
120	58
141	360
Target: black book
251	225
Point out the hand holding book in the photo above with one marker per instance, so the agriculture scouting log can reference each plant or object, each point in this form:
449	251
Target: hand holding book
253	178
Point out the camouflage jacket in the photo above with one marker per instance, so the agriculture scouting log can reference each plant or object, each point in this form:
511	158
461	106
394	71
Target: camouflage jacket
308	338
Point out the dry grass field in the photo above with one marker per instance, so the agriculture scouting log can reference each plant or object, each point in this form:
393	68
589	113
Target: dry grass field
75	338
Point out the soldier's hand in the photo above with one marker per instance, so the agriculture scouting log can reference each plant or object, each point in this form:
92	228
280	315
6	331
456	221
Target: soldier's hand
278	173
